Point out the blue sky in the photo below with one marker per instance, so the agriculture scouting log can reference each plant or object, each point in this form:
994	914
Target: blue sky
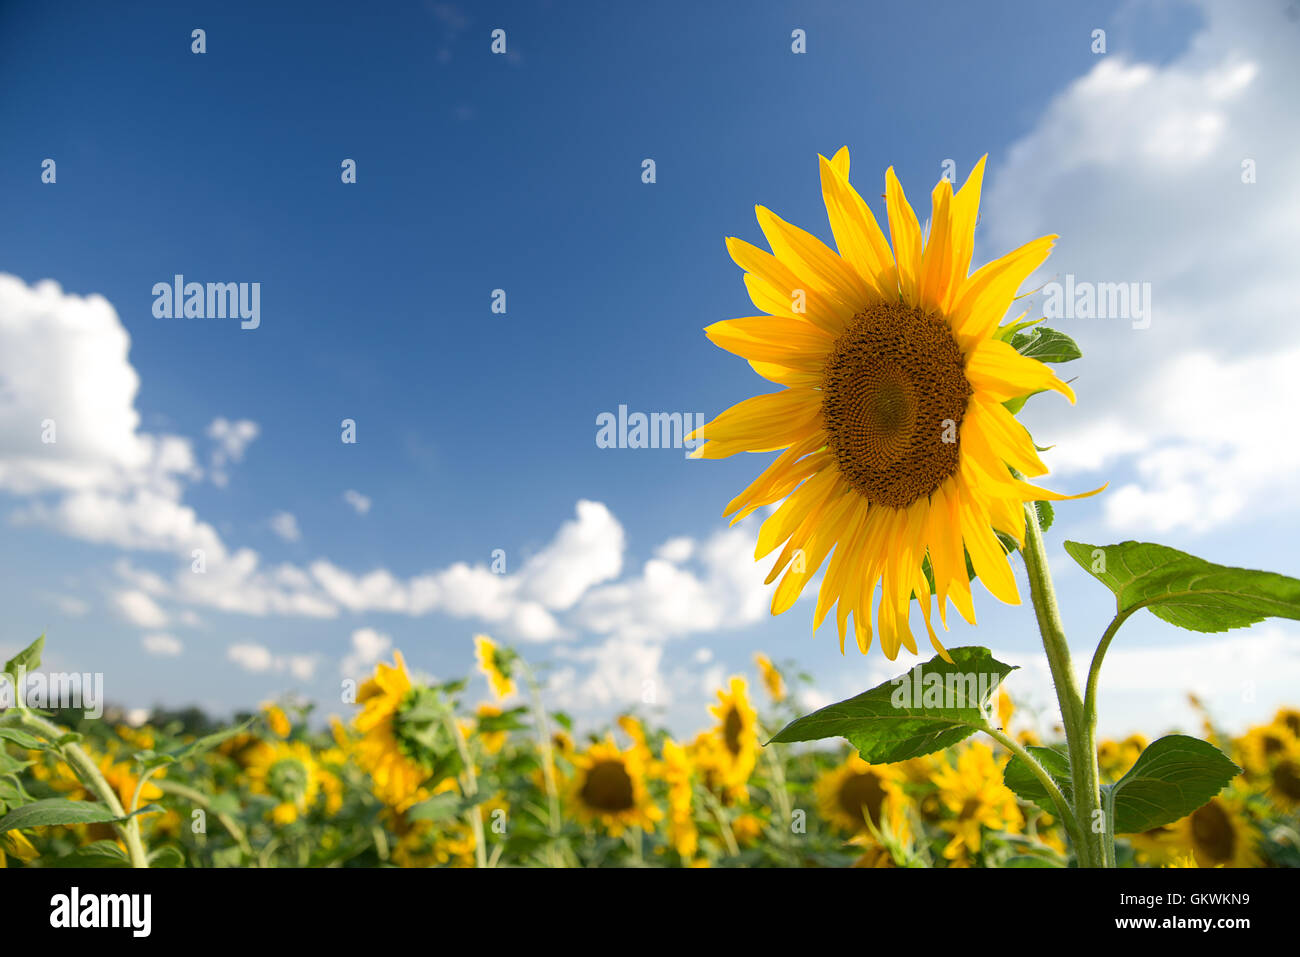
476	431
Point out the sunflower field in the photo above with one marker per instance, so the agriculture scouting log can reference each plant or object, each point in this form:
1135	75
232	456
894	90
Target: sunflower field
418	776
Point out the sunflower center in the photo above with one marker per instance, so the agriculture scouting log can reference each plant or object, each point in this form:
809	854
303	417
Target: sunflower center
731	730
862	794
608	787
1286	778
1213	832
894	394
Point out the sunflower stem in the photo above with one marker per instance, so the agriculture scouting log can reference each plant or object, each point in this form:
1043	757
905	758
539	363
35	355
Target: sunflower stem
1063	810
1080	729
90	775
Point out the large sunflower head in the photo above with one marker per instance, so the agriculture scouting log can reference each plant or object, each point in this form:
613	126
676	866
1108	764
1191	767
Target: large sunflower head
899	449
608	787
404	732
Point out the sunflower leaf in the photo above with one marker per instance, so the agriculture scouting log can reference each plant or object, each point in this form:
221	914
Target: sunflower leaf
929	708
1187	591
27	659
1171	779
1027	787
50	811
1046	345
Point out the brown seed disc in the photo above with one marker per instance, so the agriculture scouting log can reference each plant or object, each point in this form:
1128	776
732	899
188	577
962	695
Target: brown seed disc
894	394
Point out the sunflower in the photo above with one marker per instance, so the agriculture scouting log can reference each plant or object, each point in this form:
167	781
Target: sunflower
772	679
1262	745
277	720
608	787
493	740
398	725
735	738
857	792
1288	718
898	448
1217	834
497	665
287	772
676	770
974	793
15	843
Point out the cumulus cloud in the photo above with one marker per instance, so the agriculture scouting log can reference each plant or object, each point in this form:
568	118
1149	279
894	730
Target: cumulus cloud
259	659
368	646
360	503
1141	169
162	645
285	525
139	609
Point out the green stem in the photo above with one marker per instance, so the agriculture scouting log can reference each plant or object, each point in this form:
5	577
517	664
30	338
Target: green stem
198	797
1049	784
543	731
469	787
1094	670
1080	731
89	773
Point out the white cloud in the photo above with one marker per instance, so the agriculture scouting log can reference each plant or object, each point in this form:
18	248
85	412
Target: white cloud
139	609
1139	168
163	645
260	660
286	526
230	440
359	502
64	375
368	646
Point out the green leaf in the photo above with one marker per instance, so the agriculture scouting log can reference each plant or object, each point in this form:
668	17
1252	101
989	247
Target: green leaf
24	740
1046	515
1187	591
440	807
1046	345
28	659
1171	779
51	811
167	856
889	723
195	747
1027	787
96	854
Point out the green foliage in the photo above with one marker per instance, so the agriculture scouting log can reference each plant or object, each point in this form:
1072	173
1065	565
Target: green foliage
1187	591
886	728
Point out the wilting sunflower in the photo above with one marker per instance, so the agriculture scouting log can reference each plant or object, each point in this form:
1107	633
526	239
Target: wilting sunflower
608	787
735	736
857	792
1217	834
497	665
772	679
287	772
898	447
